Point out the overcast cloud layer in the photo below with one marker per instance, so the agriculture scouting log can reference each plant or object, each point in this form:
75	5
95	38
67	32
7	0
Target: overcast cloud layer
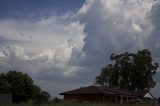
67	51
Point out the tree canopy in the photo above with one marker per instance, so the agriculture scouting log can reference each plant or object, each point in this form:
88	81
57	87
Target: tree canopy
16	82
129	71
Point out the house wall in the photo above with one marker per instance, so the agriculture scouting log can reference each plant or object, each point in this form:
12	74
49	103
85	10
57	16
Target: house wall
85	97
13	98
93	98
18	98
111	98
5	98
101	98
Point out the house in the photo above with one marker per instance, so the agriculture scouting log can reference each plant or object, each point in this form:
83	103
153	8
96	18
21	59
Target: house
13	98
100	94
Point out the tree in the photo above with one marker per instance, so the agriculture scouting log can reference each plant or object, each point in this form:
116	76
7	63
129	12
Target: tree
129	71
3	84
39	96
17	82
44	96
105	76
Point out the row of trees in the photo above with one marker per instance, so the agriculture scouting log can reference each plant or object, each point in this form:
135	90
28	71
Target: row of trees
16	82
129	71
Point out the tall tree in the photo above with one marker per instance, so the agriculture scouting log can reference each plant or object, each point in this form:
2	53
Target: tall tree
129	71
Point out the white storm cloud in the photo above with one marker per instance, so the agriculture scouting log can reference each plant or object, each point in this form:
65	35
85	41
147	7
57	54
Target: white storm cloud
115	26
41	34
54	60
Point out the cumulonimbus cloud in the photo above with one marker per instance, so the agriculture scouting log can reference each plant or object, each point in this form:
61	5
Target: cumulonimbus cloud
54	60
81	46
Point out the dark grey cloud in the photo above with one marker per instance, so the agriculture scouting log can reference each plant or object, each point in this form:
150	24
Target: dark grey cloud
153	41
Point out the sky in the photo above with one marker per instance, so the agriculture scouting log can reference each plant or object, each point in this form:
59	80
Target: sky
63	44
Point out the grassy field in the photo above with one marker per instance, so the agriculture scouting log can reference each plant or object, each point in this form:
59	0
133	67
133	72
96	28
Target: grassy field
79	104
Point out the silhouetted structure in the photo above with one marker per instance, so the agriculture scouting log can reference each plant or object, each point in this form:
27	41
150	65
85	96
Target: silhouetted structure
14	98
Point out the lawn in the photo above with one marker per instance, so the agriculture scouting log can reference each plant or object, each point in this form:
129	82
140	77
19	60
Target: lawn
80	104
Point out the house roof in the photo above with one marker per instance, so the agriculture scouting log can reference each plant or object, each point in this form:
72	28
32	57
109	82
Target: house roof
102	90
149	95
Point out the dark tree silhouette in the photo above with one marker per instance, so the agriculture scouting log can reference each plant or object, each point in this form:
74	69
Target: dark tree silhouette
17	82
129	71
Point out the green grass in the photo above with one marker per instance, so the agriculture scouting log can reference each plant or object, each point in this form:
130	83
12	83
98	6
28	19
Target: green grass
79	104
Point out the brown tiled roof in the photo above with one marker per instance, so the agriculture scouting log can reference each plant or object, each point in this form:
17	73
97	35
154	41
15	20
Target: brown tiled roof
103	90
84	90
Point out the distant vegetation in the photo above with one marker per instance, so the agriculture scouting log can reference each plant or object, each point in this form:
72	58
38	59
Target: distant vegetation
129	71
16	82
